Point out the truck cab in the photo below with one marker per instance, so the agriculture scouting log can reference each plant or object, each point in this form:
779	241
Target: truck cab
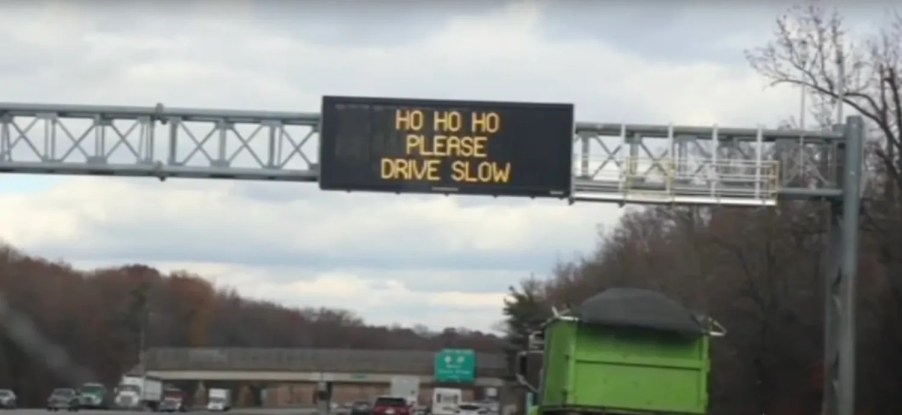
128	396
219	400
138	392
94	396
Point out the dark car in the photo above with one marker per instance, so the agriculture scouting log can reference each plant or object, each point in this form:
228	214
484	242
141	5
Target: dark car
7	399
391	405
171	404
173	400
63	398
361	408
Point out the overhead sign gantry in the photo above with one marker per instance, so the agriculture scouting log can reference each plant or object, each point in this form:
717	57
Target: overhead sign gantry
533	153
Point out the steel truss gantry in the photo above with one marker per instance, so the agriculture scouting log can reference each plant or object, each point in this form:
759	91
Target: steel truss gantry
621	163
614	162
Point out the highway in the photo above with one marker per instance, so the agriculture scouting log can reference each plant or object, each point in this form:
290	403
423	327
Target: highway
241	411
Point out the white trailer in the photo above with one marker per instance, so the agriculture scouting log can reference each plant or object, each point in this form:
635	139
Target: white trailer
407	387
139	392
446	400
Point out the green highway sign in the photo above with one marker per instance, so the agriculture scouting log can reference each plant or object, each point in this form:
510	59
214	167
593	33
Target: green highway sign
455	366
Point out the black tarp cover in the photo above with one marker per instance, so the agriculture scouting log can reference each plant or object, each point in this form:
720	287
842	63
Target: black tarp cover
640	308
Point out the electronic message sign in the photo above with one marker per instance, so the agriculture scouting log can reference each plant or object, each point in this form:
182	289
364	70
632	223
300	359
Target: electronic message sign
450	147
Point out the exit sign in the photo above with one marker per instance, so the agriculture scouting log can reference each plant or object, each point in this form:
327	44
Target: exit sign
455	366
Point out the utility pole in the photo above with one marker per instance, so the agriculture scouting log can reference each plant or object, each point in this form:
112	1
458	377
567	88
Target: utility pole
142	342
141	362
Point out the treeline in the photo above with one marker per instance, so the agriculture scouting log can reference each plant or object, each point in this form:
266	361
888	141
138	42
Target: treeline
759	271
60	326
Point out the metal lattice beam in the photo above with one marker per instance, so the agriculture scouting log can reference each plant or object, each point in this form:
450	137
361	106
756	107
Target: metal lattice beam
157	142
707	165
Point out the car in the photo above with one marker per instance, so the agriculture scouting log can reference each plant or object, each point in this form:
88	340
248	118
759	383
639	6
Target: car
493	407
341	409
173	400
361	408
171	405
391	405
7	399
470	408
63	398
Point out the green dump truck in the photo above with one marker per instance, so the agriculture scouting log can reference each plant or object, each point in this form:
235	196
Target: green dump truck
623	351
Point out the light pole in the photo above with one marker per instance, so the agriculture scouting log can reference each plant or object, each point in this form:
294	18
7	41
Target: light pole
800	166
804	89
841	82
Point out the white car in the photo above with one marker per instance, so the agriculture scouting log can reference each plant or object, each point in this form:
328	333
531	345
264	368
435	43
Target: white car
468	408
7	399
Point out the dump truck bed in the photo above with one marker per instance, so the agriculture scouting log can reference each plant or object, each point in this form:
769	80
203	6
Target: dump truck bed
594	368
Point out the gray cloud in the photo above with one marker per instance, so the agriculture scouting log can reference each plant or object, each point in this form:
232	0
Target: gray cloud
399	256
685	31
348	23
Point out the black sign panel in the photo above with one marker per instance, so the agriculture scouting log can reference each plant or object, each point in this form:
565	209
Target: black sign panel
430	146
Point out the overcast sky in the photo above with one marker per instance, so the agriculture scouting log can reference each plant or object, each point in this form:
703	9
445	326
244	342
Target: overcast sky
406	259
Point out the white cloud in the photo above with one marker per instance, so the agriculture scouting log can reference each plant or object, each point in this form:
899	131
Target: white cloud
436	260
359	290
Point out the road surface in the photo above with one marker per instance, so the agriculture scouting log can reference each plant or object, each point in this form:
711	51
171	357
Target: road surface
241	411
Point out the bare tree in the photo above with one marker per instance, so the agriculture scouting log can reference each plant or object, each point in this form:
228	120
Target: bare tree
812	49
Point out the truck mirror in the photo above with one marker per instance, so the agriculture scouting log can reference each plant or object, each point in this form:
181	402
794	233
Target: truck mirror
522	365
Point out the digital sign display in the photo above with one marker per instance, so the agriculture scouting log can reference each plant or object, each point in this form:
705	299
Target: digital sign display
450	147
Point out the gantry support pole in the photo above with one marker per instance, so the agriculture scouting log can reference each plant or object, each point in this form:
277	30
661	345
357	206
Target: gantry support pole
841	272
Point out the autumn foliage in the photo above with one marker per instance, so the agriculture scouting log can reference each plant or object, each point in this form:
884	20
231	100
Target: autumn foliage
61	326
